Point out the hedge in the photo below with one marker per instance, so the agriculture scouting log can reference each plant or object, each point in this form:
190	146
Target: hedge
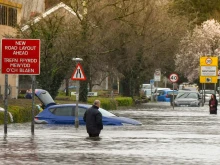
20	114
124	101
112	103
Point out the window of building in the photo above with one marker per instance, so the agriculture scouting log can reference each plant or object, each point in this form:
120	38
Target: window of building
8	16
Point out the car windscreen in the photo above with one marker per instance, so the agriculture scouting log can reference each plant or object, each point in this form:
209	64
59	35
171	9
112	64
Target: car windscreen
209	92
171	92
106	113
187	95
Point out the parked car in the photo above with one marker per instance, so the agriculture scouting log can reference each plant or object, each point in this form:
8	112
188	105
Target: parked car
146	93
65	113
188	98
208	94
164	95
147	86
155	92
146	90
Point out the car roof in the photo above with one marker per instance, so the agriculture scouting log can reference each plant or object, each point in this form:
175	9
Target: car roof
183	91
166	90
80	105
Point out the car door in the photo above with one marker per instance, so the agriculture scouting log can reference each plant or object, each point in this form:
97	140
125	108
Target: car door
62	115
160	96
81	112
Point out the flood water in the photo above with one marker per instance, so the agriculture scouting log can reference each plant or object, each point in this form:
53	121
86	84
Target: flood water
185	135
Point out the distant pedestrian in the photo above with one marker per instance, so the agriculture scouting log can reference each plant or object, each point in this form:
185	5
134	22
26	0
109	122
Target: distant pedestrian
28	94
213	103
93	119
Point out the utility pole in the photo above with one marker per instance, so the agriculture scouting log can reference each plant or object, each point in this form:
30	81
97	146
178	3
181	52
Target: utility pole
84	23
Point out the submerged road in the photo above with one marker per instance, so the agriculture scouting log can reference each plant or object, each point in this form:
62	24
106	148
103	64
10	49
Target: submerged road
184	135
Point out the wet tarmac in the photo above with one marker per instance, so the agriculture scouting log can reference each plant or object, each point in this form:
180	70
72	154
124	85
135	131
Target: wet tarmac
184	135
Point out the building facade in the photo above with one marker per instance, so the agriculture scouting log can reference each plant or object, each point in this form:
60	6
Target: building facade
12	13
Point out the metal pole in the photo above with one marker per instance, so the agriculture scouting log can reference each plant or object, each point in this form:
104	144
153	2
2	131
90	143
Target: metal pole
6	105
215	88
76	109
156	91
151	96
173	95
33	107
202	94
219	88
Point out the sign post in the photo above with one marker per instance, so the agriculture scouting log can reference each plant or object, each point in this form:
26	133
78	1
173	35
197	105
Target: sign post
208	72
157	77
78	75
22	57
219	84
6	105
151	90
173	78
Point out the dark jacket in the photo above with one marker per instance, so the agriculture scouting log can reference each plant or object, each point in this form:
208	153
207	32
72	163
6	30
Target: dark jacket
93	119
214	106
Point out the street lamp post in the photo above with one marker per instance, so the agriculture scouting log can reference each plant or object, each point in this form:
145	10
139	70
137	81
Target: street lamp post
77	97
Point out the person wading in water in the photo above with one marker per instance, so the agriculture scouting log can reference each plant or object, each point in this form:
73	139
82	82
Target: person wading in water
93	119
213	103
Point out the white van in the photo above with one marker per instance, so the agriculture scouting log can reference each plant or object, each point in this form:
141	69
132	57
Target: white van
147	86
146	90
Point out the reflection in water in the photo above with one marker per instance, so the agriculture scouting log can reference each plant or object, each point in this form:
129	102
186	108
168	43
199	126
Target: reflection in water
167	136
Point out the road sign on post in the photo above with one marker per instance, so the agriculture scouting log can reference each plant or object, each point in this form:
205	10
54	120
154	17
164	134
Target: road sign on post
152	81
173	78
157	75
21	56
78	75
208	69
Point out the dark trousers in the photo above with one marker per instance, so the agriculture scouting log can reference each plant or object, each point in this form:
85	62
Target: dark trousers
93	135
213	112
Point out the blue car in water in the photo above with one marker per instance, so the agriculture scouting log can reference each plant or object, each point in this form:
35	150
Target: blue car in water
164	95
65	113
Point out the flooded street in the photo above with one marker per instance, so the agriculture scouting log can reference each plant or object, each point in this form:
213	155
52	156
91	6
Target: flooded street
185	135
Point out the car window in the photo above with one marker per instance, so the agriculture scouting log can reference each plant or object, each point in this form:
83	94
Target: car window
187	95
160	92
209	92
62	111
193	95
171	92
81	111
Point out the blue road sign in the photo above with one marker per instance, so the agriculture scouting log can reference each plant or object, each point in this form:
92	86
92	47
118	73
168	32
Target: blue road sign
151	81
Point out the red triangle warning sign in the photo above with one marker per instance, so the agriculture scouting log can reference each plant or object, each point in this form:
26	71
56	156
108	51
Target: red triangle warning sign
78	73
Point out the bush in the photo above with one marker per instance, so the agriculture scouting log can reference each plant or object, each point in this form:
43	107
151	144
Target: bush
21	96
124	101
106	103
20	114
60	97
112	104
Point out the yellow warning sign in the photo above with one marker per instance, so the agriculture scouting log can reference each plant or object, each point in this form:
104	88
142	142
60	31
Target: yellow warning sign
212	79
208	61
208	69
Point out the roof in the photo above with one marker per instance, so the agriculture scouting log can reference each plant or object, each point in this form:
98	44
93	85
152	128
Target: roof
48	12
